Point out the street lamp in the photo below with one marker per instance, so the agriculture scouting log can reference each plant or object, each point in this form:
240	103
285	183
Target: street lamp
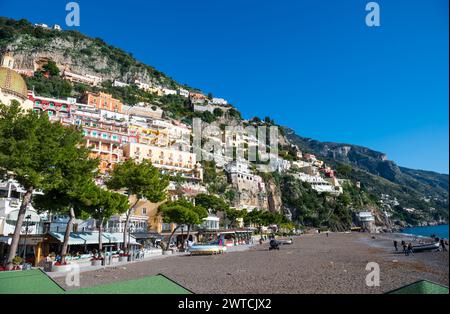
27	221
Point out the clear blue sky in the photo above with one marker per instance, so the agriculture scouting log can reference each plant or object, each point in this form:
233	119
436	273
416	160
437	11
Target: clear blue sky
312	65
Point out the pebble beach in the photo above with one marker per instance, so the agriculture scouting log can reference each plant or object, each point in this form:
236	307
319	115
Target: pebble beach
312	264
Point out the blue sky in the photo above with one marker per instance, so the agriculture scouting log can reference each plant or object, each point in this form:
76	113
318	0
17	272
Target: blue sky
312	65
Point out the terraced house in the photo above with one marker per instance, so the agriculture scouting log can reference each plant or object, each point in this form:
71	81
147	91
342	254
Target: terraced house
102	101
57	109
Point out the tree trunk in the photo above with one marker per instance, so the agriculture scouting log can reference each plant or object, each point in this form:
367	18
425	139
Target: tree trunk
16	236
100	237
187	237
125	229
170	238
67	235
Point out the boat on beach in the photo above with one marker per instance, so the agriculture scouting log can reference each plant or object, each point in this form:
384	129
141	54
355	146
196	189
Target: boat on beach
207	249
426	247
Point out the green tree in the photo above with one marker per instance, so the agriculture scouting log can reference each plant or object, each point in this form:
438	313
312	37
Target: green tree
233	113
211	202
344	170
217	112
233	214
101	204
51	68
67	203
208	117
140	180
255	218
40	155
181	212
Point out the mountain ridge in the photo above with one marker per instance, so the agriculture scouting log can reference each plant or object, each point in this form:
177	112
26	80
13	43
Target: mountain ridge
376	152
414	188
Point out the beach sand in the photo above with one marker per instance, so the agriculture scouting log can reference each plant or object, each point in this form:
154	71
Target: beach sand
313	264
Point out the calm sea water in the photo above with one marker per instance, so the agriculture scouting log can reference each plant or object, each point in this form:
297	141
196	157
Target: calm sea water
441	231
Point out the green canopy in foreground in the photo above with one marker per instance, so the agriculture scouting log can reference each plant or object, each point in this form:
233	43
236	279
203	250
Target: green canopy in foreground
148	285
36	281
27	282
421	287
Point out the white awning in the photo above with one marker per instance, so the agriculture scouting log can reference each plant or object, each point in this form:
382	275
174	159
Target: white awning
92	238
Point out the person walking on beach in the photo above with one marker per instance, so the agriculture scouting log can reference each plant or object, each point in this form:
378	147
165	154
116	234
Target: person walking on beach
404	247
444	249
410	249
395	245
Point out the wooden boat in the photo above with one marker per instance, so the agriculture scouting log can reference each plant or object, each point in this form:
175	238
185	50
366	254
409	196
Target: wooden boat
426	247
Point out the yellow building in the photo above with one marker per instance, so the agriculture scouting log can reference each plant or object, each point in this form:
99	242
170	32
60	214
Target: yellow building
169	160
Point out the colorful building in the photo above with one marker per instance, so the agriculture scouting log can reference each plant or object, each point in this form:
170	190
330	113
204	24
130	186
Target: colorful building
56	109
102	101
168	160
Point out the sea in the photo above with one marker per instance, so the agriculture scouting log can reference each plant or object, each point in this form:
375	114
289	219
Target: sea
440	231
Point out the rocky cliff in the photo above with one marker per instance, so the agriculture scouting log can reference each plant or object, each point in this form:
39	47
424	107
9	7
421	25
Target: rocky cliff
71	50
273	196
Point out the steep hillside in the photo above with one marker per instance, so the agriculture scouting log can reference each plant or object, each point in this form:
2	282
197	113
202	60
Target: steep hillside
75	52
423	190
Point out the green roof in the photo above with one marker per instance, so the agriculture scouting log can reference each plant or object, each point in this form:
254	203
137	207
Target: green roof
27	282
421	287
36	281
158	284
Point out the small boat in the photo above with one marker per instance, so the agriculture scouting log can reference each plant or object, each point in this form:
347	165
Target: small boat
207	249
426	247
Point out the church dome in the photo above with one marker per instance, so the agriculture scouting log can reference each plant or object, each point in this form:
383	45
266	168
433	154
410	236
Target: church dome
12	82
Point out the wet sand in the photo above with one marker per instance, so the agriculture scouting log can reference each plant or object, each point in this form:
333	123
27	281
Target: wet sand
313	264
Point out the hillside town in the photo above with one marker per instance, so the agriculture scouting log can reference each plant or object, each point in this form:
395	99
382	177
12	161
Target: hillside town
117	178
116	132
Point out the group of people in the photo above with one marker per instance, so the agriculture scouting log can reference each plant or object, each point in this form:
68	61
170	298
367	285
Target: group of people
408	248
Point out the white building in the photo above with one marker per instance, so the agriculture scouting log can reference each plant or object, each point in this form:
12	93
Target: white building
142	85
319	184
183	92
211	222
84	79
366	220
41	25
168	91
11	194
143	110
219	101
117	83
